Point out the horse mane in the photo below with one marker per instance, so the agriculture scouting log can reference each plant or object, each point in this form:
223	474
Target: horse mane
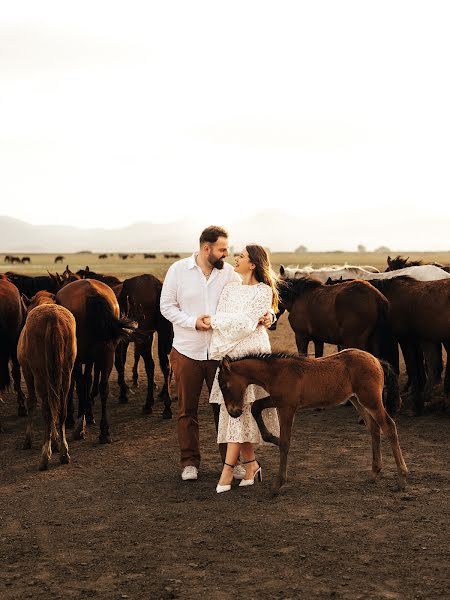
266	356
384	284
407	263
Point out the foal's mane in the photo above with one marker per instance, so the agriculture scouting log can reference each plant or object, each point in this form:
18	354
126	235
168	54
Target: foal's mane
266	356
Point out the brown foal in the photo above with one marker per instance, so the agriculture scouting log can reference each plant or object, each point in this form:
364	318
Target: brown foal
294	382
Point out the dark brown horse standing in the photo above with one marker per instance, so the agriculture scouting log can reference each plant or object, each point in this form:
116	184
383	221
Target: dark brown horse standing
47	349
299	382
12	315
99	329
139	300
352	314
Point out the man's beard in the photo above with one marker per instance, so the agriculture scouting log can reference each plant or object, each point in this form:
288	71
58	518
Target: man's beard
218	264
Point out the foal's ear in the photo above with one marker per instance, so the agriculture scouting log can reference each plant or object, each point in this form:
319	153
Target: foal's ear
26	300
282	271
389	260
226	363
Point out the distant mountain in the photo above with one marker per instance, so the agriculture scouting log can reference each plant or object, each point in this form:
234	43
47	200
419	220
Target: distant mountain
274	229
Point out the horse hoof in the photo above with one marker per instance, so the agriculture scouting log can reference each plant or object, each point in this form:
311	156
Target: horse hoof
123	400
22	411
104	439
64	459
167	414
90	420
27	445
69	423
79	435
147	410
43	466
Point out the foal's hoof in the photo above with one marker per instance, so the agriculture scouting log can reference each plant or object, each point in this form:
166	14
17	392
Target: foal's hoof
167	413
22	411
64	459
147	410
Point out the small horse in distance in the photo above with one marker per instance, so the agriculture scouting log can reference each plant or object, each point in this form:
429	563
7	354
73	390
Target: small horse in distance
295	382
46	351
59	259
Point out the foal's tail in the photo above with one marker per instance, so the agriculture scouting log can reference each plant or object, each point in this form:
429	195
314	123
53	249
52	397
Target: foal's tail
391	392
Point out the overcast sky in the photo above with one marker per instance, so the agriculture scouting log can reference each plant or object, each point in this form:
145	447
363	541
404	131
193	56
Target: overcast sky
112	113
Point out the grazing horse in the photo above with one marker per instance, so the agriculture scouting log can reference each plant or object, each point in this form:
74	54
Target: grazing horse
102	256
139	300
12	315
25	259
298	382
399	262
110	280
99	329
421	273
46	351
59	259
352	314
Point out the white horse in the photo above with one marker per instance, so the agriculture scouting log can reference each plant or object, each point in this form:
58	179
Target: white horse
420	273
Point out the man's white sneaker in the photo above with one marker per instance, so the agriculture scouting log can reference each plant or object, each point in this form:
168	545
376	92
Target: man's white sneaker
239	472
189	473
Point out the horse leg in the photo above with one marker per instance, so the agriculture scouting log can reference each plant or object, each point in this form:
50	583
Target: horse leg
120	358
447	370
257	407
69	419
46	452
21	408
302	344
164	363
286	414
146	353
433	361
31	406
388	427
105	371
95	390
375	434
318	347
87	386
64	457
79	431
137	356
414	368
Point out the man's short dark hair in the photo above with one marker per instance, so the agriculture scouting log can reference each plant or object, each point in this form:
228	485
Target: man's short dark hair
211	234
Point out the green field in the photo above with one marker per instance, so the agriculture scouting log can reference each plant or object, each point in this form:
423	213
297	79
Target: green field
40	263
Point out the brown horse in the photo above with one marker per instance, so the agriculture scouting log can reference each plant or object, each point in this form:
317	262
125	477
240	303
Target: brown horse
400	262
47	349
139	300
352	314
99	329
12	315
420	312
110	280
299	382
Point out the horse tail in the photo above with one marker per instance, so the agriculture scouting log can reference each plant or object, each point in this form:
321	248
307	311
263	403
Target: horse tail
103	324
382	332
164	329
5	353
54	350
391	397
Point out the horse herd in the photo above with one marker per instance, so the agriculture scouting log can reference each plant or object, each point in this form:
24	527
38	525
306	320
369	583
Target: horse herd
67	331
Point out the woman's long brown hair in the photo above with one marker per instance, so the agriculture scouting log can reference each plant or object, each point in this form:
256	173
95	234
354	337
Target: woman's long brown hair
263	270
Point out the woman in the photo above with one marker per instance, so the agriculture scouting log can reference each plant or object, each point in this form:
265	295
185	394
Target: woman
236	332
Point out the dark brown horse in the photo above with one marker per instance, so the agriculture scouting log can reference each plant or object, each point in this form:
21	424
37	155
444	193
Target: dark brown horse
139	300
400	262
110	280
46	351
420	312
299	382
352	314
30	286
12	316
99	330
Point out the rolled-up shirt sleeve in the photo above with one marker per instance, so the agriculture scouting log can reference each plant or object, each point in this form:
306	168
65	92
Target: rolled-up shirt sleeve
169	303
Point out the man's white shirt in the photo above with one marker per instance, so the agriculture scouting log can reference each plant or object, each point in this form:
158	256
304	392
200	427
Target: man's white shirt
187	294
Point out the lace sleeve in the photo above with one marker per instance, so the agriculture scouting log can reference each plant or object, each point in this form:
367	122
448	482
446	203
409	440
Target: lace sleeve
231	327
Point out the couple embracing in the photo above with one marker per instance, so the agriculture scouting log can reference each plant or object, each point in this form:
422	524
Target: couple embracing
217	310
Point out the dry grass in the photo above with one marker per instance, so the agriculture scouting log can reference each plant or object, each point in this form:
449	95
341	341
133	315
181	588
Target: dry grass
114	265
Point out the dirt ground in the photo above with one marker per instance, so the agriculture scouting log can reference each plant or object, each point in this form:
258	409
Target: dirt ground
119	523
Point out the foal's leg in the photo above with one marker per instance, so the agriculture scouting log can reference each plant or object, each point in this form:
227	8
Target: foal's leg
64	457
375	434
286	414
21	409
388	427
31	406
257	407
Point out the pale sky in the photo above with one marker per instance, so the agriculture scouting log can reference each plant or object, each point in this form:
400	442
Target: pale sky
117	112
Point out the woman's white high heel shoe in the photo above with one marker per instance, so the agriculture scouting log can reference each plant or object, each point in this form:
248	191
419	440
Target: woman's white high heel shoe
257	473
224	488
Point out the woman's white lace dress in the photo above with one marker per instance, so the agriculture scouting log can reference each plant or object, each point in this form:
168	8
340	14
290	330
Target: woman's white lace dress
236	332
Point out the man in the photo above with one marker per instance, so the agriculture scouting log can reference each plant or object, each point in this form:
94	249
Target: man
191	292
